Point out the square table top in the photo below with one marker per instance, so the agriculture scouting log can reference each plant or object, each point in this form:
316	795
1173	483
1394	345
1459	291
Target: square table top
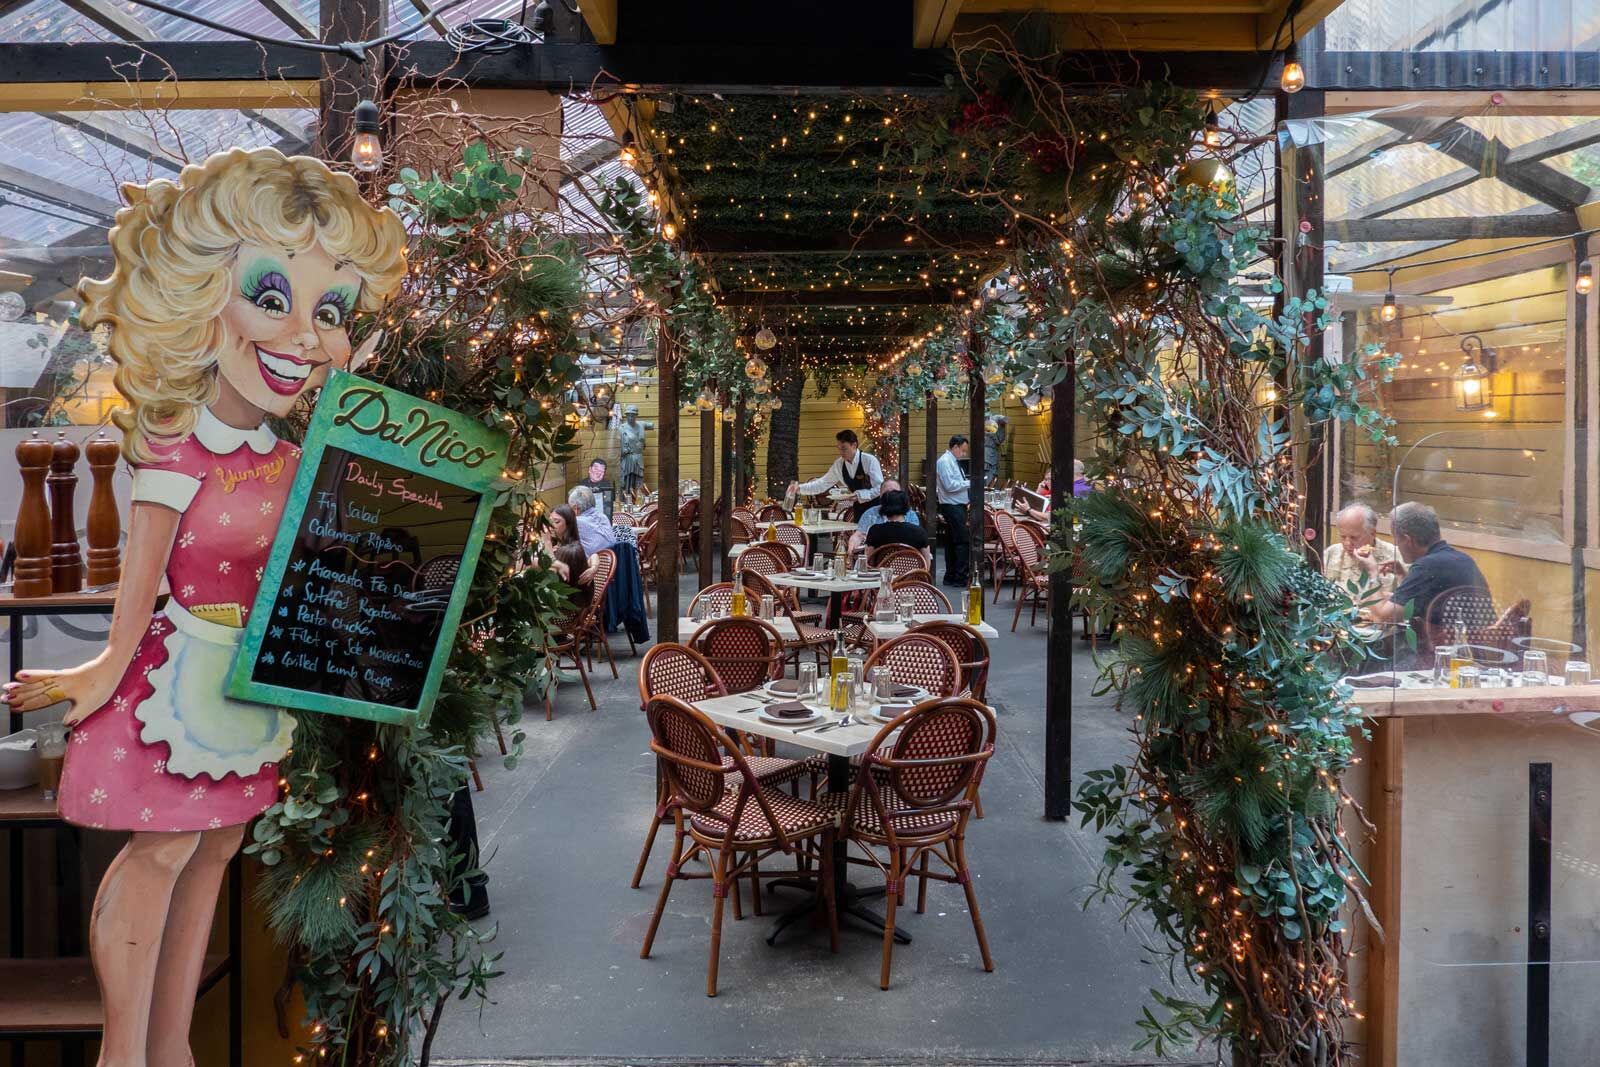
883	631
738	712
830	526
828	582
687	627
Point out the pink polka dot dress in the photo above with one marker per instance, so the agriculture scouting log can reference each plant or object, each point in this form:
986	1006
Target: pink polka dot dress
168	751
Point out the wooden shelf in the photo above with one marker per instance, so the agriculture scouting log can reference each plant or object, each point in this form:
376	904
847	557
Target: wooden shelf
60	998
26	806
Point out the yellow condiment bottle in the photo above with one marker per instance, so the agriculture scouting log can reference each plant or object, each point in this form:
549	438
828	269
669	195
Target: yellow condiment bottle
975	602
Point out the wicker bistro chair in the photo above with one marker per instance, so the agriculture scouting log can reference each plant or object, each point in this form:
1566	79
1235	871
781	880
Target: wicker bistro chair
772	513
717	596
680	672
605	568
741	528
769	558
568	638
970	648
1474	607
733	825
747	514
919	659
745	652
1034	584
928	599
811	636
913	802
688	528
1006	563
798	540
646	542
901	559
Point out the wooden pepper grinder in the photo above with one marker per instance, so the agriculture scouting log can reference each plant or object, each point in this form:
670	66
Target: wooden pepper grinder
66	562
105	522
32	573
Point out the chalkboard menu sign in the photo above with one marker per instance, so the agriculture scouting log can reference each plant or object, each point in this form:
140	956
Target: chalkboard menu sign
362	593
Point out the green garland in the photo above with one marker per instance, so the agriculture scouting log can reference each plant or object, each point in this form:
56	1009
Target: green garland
1224	830
356	873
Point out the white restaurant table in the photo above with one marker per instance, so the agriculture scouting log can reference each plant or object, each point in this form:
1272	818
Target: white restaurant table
740	712
885	631
836	588
687	627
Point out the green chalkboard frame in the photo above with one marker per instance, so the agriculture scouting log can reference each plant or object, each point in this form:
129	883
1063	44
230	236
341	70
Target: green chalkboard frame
360	434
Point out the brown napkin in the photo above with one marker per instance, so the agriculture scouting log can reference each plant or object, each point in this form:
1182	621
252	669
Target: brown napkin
893	711
789	709
905	690
784	685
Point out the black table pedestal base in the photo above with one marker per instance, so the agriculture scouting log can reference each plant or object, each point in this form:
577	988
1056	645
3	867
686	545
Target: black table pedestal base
850	904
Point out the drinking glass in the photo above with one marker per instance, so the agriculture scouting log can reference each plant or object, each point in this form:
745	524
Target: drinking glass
1535	668
816	562
1577	672
882	684
768	606
52	744
862	695
697	611
806	687
1491	678
1441	667
1467	676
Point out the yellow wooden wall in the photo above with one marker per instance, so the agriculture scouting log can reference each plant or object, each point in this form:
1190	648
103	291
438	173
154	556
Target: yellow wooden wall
821	416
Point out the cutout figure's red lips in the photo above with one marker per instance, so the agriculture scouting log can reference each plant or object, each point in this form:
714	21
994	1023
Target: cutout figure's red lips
284	375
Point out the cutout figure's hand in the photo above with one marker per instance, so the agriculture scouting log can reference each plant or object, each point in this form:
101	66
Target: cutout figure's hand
86	688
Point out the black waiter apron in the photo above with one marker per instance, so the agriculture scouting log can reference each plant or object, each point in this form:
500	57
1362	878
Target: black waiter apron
855	483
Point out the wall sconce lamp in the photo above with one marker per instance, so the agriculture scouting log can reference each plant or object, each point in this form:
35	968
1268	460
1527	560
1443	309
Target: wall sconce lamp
1474	380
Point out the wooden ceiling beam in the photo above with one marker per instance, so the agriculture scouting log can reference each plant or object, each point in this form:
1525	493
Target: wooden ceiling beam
1490	158
119	135
1550	224
781	298
881	240
601	17
288	13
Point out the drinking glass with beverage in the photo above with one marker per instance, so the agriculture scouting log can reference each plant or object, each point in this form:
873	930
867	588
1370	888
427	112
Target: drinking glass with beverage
1535	668
1577	672
52	744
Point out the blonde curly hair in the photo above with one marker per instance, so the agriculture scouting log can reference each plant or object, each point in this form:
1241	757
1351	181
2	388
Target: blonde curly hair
173	248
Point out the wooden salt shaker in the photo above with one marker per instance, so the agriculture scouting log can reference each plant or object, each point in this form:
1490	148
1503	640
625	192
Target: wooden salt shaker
105	522
66	562
32	573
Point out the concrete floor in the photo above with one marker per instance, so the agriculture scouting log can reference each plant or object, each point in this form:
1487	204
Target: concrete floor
562	833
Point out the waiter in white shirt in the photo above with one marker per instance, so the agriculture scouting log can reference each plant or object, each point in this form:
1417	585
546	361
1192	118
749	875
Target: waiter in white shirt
854	470
953	492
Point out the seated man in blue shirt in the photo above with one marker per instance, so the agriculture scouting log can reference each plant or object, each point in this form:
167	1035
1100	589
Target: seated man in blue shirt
874	515
594	529
1431	566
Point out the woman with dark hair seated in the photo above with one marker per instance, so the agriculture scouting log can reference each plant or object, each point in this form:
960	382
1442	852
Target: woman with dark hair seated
894	529
572	564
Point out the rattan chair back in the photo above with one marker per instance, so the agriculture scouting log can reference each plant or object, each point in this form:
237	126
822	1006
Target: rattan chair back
927	598
922	660
901	559
968	644
745	652
677	671
717	597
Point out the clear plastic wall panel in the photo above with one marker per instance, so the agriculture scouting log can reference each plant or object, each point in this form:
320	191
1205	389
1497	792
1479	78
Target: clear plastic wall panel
1445	44
1464	531
52	20
58	197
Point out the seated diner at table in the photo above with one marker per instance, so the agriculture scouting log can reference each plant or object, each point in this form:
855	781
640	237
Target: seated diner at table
1430	567
874	515
895	529
593	528
1358	539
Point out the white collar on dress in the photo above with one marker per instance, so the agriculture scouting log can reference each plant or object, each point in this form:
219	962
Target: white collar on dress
217	436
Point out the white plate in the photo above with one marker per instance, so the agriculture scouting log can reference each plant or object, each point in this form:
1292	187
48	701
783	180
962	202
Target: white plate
816	716
771	692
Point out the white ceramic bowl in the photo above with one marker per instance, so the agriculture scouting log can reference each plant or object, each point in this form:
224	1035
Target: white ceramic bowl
19	760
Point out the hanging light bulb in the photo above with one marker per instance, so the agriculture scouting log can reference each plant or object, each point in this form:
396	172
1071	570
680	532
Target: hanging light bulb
669	229
1213	132
366	150
766	340
1390	310
1293	78
630	154
1585	280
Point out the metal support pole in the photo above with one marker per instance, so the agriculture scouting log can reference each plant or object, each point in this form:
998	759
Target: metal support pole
975	445
725	513
1299	221
667	489
708	494
904	466
1058	665
1540	787
930	473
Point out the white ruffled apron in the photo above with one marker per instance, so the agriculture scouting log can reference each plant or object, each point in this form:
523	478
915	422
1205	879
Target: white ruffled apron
206	731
